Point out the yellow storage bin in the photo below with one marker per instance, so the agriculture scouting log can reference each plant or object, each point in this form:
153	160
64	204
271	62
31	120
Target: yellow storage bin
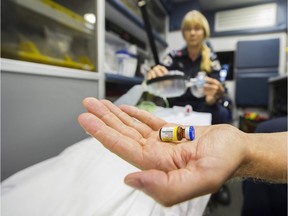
29	52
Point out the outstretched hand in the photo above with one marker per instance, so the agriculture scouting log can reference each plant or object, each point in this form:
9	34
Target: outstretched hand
172	172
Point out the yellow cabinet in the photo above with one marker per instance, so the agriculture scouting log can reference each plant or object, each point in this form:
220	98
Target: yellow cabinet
54	32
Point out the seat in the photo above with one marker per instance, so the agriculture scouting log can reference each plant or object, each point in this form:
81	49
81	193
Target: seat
255	63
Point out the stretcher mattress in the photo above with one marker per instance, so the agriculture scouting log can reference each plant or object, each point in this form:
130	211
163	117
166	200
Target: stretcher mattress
85	179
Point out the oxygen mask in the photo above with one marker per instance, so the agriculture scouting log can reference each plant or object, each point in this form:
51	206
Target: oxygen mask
175	84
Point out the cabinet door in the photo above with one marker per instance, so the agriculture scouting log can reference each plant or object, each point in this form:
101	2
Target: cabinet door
127	16
55	32
125	30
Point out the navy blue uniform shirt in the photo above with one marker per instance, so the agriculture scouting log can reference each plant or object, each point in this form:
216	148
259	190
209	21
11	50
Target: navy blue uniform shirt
179	60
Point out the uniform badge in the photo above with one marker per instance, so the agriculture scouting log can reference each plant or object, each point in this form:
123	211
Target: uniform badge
167	61
216	65
213	56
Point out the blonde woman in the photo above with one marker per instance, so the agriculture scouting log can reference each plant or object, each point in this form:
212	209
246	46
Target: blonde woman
194	57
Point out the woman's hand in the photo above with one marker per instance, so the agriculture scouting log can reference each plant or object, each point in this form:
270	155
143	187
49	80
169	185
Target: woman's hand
157	71
172	172
213	90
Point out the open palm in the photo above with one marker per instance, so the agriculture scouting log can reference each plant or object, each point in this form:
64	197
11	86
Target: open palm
184	169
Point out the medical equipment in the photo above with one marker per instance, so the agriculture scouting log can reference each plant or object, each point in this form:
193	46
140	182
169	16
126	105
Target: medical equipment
170	134
174	84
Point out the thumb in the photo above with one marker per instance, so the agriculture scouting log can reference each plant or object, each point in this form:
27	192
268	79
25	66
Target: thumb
166	188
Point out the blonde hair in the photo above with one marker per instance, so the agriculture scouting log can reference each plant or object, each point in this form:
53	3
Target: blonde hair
195	17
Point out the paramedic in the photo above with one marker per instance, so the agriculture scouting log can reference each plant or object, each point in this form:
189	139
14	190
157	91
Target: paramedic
196	56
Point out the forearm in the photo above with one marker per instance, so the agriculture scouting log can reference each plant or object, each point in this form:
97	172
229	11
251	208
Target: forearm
266	157
210	100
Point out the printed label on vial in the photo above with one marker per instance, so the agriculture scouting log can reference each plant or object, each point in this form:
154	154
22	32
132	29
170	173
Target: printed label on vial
168	134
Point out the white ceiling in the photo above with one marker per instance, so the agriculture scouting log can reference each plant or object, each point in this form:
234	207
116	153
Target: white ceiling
222	4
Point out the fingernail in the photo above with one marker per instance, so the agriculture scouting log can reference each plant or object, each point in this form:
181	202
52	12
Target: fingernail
135	183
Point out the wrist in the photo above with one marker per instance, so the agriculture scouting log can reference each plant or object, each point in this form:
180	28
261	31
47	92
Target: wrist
210	101
246	159
264	160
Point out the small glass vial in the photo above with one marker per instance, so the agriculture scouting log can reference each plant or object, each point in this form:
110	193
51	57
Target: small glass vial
171	134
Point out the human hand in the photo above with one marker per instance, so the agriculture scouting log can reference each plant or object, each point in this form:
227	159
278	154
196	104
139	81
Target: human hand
213	90
172	172
157	71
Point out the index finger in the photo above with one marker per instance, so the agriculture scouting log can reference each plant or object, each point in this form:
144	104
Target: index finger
99	109
145	117
210	80
143	129
160	70
157	71
125	147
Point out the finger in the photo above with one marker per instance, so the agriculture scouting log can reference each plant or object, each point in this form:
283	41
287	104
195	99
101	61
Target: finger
215	82
157	71
214	90
143	116
143	129
160	70
210	87
101	111
151	74
211	80
173	187
125	147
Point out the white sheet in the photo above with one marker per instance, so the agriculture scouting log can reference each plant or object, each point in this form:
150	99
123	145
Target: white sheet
85	179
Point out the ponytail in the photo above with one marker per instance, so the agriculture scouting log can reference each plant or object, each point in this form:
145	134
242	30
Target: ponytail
206	61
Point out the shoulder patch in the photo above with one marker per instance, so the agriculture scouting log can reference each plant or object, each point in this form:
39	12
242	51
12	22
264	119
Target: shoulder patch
173	53
179	53
216	65
213	56
167	61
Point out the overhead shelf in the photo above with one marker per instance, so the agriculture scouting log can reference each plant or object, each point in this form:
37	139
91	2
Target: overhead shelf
23	67
114	39
58	13
124	11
